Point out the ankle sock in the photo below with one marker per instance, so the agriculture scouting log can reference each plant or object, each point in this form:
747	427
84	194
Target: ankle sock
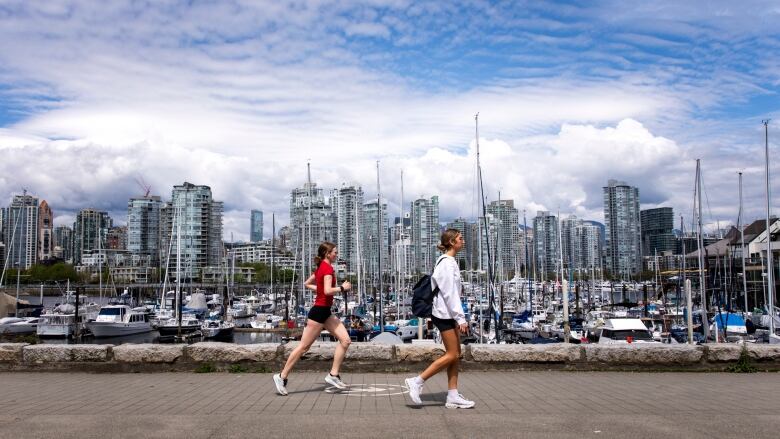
418	380
452	393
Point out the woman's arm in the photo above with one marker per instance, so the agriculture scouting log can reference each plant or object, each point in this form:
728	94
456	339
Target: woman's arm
329	290
311	283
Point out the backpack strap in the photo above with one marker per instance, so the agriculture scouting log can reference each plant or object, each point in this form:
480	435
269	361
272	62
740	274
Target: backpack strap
436	290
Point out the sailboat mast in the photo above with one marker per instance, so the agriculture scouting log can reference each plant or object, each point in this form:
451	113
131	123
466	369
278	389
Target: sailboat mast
564	294
399	247
742	245
702	273
527	273
769	264
379	245
307	254
491	298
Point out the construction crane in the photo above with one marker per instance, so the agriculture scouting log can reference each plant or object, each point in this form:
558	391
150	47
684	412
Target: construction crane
147	188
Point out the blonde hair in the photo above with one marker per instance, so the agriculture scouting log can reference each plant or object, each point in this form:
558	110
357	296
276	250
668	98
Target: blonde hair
447	237
323	250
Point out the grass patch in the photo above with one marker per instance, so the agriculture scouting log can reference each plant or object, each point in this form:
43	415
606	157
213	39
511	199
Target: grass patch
261	369
744	364
205	368
237	368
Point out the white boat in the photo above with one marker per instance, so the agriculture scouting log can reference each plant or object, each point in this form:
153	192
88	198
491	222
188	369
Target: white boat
119	320
217	329
61	321
18	325
625	331
189	324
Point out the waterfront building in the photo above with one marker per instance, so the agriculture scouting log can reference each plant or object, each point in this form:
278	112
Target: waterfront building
256	225
508	233
310	223
21	231
402	246
45	232
622	221
198	217
117	238
63	243
375	237
526	243
144	227
570	244
461	225
546	246
262	253
657	231
90	231
587	243
348	220
425	233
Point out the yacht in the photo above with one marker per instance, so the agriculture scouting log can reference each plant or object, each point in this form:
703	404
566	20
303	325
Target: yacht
189	324
217	329
61	321
119	320
625	331
18	325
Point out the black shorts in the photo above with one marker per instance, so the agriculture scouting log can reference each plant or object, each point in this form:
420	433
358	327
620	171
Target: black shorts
319	313
444	324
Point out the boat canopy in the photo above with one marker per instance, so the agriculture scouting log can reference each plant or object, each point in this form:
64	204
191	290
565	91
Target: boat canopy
728	319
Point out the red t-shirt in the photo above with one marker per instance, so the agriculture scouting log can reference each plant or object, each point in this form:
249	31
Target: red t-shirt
323	270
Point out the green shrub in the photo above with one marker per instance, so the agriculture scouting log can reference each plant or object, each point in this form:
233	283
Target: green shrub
744	364
205	368
237	368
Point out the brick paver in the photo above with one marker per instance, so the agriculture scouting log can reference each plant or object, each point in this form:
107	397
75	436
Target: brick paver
509	404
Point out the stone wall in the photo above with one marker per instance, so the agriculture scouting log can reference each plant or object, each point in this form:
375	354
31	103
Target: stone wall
266	357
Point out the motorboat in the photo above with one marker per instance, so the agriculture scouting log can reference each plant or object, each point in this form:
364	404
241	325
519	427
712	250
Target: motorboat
189	324
18	325
119	320
62	322
625	331
217	329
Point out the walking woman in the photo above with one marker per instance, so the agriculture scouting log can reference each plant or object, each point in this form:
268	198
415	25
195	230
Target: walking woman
449	319
323	281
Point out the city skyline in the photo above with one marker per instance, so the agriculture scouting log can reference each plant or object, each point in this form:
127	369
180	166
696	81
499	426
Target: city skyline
240	99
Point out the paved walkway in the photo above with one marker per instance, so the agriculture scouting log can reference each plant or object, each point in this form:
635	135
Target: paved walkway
509	404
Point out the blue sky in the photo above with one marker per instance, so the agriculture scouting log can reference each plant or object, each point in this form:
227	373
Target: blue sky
239	95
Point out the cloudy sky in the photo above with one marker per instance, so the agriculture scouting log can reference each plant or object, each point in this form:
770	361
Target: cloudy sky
238	95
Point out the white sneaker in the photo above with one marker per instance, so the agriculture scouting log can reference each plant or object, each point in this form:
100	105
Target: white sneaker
281	384
335	381
459	402
414	390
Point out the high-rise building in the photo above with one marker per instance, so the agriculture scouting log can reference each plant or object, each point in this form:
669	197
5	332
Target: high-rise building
425	233
569	242
657	231
21	231
376	241
546	246
621	217
587	239
192	212
348	220
90	231
63	243
309	223
144	227
487	243
45	232
256	226
507	240
117	238
402	246
461	225
526	250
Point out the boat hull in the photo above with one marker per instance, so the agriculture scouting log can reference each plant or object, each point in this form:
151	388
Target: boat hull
113	329
174	330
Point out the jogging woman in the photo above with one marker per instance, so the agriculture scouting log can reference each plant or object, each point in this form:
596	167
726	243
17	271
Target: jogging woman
323	281
449	319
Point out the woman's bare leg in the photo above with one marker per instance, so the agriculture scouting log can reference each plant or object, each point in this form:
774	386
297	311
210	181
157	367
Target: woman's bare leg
336	329
310	334
451	342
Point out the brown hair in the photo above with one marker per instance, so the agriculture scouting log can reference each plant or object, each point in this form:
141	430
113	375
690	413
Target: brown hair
447	237
325	248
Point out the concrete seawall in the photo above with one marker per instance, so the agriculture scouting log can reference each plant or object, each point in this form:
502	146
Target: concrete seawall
362	357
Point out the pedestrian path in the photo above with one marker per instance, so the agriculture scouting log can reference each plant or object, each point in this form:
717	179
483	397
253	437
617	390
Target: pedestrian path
508	404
